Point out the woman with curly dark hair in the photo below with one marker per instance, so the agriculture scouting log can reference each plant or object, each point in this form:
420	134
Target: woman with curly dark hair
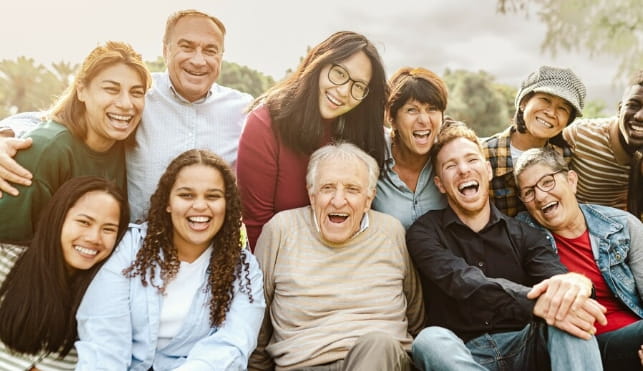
180	291
42	282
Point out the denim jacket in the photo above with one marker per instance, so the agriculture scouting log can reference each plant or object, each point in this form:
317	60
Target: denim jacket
616	237
119	319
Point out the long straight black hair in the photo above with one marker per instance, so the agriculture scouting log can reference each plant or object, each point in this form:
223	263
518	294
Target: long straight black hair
294	102
39	298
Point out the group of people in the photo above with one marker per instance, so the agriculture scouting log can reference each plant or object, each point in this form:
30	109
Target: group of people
339	221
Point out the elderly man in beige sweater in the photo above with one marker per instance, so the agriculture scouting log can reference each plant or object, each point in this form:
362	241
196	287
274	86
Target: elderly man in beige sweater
340	289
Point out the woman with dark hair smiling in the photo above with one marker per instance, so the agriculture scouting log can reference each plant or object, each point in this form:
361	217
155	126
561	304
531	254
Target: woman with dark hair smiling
41	284
548	100
337	93
180	293
415	111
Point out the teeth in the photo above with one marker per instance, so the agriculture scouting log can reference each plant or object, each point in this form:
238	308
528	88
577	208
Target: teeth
422	133
471	183
199	219
333	100
119	117
547	206
84	250
545	123
196	73
338	214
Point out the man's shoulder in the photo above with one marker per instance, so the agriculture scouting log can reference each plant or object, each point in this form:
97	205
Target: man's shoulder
385	222
228	93
597	125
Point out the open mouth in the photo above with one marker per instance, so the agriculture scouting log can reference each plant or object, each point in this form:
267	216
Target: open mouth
334	100
196	73
422	134
545	123
199	223
636	129
85	251
469	188
549	208
120	121
337	217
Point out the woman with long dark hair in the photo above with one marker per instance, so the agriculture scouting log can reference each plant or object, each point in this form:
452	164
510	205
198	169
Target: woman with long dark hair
180	291
41	284
337	93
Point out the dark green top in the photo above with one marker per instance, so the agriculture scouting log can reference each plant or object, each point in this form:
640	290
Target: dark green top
54	157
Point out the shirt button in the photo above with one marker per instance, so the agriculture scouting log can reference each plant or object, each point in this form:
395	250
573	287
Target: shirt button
480	264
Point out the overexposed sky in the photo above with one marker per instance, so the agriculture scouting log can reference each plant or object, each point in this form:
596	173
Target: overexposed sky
271	36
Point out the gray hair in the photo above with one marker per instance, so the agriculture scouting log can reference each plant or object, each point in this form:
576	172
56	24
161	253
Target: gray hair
545	156
343	151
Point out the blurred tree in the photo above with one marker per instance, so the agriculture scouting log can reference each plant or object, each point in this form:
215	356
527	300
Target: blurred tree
244	78
28	87
610	27
595	108
157	65
476	99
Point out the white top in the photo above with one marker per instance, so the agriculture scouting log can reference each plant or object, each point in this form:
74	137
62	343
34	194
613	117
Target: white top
179	295
171	125
515	153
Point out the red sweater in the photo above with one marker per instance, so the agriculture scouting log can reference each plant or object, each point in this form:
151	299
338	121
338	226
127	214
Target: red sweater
271	176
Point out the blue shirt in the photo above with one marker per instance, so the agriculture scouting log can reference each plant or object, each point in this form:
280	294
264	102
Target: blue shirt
395	198
118	321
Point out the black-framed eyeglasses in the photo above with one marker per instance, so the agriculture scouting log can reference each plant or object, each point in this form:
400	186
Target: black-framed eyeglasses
339	76
546	183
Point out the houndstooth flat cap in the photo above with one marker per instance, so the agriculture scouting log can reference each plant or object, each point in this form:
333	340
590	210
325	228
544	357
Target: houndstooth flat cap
561	82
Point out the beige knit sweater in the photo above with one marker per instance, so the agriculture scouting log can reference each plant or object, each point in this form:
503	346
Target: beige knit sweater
321	298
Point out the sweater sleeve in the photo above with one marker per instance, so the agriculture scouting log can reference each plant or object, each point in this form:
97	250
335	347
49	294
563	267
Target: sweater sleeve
266	253
257	170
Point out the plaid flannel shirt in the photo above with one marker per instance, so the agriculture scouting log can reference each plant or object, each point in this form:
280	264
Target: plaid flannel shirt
504	191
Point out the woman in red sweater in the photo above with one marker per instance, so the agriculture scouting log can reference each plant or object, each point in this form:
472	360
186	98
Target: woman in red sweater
337	93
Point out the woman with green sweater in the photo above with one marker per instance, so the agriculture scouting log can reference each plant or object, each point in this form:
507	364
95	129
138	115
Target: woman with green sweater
84	134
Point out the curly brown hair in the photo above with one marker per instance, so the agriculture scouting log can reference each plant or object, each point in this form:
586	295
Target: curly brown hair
227	263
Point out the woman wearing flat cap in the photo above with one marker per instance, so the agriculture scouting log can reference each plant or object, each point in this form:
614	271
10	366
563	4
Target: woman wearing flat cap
548	100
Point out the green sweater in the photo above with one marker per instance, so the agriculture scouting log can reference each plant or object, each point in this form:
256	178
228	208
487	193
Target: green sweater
54	157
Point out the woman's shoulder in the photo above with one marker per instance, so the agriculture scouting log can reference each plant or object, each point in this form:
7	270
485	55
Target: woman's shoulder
9	253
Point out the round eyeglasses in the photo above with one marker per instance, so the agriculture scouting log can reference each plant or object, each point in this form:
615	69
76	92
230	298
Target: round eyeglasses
339	76
546	183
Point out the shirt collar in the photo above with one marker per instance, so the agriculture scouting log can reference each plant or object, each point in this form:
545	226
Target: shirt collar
180	97
495	216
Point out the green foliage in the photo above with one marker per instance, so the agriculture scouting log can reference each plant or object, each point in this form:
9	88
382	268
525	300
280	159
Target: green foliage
244	79
157	65
476	99
594	109
27	86
609	27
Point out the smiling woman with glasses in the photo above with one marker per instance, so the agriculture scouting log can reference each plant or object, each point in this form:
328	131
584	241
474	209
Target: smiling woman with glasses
336	94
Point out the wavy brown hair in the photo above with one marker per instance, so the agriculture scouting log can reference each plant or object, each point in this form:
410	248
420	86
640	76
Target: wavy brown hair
39	297
68	110
158	256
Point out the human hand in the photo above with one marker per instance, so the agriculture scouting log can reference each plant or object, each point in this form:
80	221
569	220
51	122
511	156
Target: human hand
10	171
580	322
560	293
641	355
